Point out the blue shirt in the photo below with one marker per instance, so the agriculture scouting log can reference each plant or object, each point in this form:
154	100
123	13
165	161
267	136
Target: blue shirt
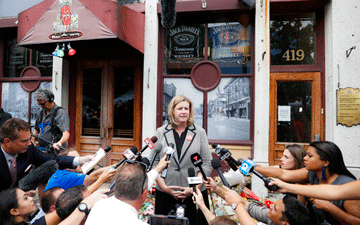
65	179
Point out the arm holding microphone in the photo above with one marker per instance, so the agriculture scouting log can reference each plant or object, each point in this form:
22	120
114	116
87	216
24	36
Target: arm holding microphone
199	201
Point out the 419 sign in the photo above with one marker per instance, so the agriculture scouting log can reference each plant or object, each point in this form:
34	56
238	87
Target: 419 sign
294	55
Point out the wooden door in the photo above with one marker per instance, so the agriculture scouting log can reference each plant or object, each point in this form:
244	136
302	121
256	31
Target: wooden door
108	107
295	111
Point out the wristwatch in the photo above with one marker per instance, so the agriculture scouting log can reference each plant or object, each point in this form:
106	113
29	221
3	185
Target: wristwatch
234	205
83	208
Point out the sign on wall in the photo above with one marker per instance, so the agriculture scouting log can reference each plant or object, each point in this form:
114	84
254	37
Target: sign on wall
348	106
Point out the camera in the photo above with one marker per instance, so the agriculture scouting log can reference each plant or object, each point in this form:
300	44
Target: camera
174	217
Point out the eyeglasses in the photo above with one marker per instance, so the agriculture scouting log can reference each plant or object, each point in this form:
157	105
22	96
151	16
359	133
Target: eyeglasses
145	166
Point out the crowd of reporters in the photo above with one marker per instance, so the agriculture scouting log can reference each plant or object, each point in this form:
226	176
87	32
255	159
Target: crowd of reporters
73	196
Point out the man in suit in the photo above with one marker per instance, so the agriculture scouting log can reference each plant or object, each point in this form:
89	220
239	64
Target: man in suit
18	155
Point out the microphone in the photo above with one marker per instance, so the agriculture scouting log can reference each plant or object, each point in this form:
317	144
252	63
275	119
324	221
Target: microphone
128	154
225	154
197	161
40	175
145	161
101	153
168	13
169	151
157	149
248	166
216	164
192	179
150	143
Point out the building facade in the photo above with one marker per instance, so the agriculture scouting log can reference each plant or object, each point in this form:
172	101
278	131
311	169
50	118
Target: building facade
260	77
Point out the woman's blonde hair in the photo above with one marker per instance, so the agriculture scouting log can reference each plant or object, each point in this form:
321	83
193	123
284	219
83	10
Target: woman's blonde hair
173	103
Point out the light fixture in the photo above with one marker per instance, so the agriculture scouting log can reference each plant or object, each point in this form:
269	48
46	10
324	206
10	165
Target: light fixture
54	53
71	51
60	52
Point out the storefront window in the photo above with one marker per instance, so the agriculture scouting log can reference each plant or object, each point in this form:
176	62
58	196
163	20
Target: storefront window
210	63
228	110
17	58
183	48
230	47
293	39
183	86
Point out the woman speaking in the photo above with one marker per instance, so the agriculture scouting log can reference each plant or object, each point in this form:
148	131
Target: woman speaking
187	139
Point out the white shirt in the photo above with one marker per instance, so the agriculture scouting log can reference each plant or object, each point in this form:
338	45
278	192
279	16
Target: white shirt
152	176
113	211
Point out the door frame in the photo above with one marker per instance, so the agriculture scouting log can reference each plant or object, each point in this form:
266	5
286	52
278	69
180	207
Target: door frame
90	144
317	117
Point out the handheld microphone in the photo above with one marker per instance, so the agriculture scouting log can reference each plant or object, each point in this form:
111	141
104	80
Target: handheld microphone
40	175
248	166
145	161
157	149
128	154
225	154
192	179
101	153
150	143
169	151
216	164
197	161
168	13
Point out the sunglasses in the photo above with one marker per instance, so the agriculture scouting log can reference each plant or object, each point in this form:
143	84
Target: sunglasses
145	166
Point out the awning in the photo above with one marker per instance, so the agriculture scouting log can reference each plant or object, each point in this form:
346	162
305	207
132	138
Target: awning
56	21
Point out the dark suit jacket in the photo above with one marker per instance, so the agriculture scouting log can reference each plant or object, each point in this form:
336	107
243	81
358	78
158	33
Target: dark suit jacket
195	142
32	156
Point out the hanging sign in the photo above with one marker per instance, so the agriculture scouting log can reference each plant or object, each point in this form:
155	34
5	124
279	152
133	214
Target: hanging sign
348	106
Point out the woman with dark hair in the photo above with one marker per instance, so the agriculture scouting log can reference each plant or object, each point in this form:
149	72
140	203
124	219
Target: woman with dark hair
324	164
293	157
15	207
188	139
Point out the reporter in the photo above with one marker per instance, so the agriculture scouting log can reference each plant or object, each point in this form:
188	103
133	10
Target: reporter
15	207
323	165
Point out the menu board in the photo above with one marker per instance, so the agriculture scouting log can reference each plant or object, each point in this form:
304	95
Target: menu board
348	106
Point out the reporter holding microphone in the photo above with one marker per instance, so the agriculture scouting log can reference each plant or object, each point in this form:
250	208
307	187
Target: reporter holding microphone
188	139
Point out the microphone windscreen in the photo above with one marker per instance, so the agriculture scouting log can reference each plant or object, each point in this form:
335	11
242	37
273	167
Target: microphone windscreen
214	145
215	163
40	175
168	13
154	139
134	149
145	160
191	172
157	148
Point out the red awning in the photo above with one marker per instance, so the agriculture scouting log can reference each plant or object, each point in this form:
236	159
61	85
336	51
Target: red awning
54	21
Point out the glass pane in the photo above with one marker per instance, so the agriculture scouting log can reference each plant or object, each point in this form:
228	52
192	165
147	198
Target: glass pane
294	111
183	86
16	58
184	46
91	101
293	39
43	62
15	100
35	108
229	110
230	46
124	102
